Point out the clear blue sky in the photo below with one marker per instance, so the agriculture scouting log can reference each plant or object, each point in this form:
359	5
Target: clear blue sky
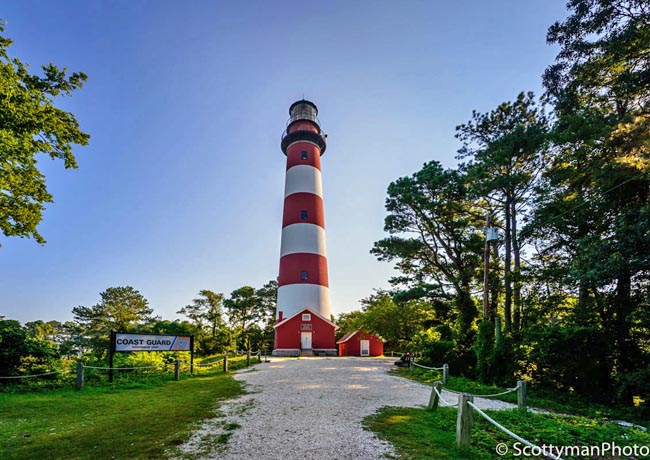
181	186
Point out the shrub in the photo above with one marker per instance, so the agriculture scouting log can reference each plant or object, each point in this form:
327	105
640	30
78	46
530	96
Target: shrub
552	353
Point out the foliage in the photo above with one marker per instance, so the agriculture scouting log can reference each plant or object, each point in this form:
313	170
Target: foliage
348	322
120	309
433	211
571	191
205	312
484	349
395	322
504	150
30	124
251	313
551	348
22	352
422	434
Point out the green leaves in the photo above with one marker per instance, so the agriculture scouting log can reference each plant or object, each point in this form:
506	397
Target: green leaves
31	124
435	233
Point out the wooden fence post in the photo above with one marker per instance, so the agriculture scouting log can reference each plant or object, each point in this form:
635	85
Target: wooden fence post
177	370
464	421
80	375
248	358
521	395
445	374
434	399
225	362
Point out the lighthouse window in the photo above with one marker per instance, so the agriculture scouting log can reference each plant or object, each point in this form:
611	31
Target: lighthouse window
303	215
303	155
304	276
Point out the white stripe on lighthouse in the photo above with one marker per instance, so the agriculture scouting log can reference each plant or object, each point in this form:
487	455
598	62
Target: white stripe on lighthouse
303	179
292	298
303	238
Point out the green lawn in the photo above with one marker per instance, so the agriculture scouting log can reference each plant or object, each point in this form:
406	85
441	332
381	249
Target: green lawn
418	434
125	421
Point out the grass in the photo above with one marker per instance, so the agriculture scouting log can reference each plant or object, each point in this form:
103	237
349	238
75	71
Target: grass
541	398
137	420
419	434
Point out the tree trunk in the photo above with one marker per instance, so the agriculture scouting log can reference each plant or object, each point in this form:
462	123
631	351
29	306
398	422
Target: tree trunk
507	281
467	309
623	309
518	307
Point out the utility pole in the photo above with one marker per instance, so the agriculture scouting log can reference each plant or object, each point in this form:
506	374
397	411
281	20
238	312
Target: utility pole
486	271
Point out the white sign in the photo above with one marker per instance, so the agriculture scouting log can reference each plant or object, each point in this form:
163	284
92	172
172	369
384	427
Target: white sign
144	342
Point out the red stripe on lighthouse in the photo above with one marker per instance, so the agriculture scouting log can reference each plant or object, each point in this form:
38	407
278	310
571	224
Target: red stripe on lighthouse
295	203
303	126
295	155
295	267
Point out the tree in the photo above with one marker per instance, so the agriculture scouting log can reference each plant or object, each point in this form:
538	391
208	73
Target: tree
206	312
397	323
243	307
31	124
268	302
348	322
120	309
596	209
206	309
504	152
21	352
441	240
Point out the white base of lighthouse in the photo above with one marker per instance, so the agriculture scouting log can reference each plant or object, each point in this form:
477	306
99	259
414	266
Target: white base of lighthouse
295	297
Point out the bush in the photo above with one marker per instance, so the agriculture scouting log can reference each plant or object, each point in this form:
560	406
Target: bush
552	353
484	348
635	387
503	361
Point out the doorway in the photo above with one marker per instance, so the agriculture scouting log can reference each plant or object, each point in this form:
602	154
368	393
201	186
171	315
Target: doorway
305	340
365	347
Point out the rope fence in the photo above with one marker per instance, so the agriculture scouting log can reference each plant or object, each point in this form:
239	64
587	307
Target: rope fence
123	368
443	400
164	367
33	375
509	390
428	368
444	369
465	405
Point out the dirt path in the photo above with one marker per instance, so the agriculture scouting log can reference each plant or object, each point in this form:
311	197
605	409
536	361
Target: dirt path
310	409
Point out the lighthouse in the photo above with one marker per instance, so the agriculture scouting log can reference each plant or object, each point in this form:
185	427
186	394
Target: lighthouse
303	325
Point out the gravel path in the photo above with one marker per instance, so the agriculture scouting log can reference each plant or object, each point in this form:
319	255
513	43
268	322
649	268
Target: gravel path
310	409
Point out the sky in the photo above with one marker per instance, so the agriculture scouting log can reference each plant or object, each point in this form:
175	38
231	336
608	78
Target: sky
181	186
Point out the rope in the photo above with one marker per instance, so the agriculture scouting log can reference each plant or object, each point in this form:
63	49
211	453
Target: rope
510	433
425	367
509	390
121	368
447	403
30	376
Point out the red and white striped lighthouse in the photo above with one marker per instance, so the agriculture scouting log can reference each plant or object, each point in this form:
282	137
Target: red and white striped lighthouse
303	322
